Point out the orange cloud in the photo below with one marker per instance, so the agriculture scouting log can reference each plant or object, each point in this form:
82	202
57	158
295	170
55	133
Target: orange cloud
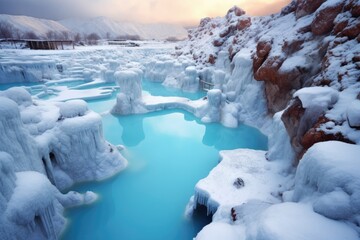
187	11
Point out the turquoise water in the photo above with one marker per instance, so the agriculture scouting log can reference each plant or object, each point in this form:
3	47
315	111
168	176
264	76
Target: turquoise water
168	153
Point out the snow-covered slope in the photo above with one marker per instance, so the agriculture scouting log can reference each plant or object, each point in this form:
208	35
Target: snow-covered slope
103	26
30	24
107	27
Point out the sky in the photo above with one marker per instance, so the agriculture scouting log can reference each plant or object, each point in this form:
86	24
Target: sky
185	12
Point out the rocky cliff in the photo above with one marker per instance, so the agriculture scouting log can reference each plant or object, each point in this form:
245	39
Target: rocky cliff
308	44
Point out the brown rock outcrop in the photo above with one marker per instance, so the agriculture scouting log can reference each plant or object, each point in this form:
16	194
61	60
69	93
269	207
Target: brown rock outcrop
324	19
243	23
306	7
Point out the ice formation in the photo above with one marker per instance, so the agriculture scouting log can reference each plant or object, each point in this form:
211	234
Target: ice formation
129	100
45	147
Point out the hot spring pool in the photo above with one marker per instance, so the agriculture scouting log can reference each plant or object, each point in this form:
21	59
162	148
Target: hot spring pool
168	152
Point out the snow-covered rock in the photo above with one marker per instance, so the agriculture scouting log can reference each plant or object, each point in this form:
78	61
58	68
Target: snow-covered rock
327	177
260	180
353	113
45	147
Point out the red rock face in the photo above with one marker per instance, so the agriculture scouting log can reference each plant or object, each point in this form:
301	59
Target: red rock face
236	10
243	23
212	59
218	43
262	51
306	7
292	121
315	135
324	19
352	30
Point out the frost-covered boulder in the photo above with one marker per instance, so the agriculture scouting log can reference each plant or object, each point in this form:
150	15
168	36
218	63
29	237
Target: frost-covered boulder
129	100
328	177
292	221
73	108
317	98
353	114
18	95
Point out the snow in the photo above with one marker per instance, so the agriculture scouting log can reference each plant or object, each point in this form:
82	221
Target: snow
218	230
317	97
101	25
353	113
262	180
190	83
106	26
291	221
73	108
328	178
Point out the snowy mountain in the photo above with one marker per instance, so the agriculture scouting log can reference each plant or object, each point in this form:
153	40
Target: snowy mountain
104	27
40	27
107	27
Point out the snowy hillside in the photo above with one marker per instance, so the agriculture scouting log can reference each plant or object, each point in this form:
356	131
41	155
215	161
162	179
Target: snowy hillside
40	27
107	27
104	27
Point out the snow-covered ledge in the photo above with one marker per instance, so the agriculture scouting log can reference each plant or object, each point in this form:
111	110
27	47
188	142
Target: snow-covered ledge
242	175
44	147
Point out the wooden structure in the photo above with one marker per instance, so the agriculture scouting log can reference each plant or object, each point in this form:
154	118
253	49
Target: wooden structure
206	86
49	44
37	44
123	43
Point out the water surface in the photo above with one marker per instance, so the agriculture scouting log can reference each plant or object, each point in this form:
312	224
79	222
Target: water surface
168	153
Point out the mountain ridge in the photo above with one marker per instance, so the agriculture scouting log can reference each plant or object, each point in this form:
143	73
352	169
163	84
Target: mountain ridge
103	26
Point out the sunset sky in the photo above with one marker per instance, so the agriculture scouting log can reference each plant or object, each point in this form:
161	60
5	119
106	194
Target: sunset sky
186	12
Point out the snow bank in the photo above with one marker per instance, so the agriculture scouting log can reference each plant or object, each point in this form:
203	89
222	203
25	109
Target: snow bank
353	113
317	97
292	221
49	146
73	108
328	177
242	175
218	230
18	95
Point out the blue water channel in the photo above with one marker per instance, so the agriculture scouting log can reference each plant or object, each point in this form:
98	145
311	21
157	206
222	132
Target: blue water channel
168	153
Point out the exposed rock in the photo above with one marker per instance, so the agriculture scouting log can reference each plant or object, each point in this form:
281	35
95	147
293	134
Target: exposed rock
315	135
239	183
225	32
218	42
289	8
292	121
324	19
243	23
352	30
204	21
355	8
262	51
340	26
236	10
306	7
212	59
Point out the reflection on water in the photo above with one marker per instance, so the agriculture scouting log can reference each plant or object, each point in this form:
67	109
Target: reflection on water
168	153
